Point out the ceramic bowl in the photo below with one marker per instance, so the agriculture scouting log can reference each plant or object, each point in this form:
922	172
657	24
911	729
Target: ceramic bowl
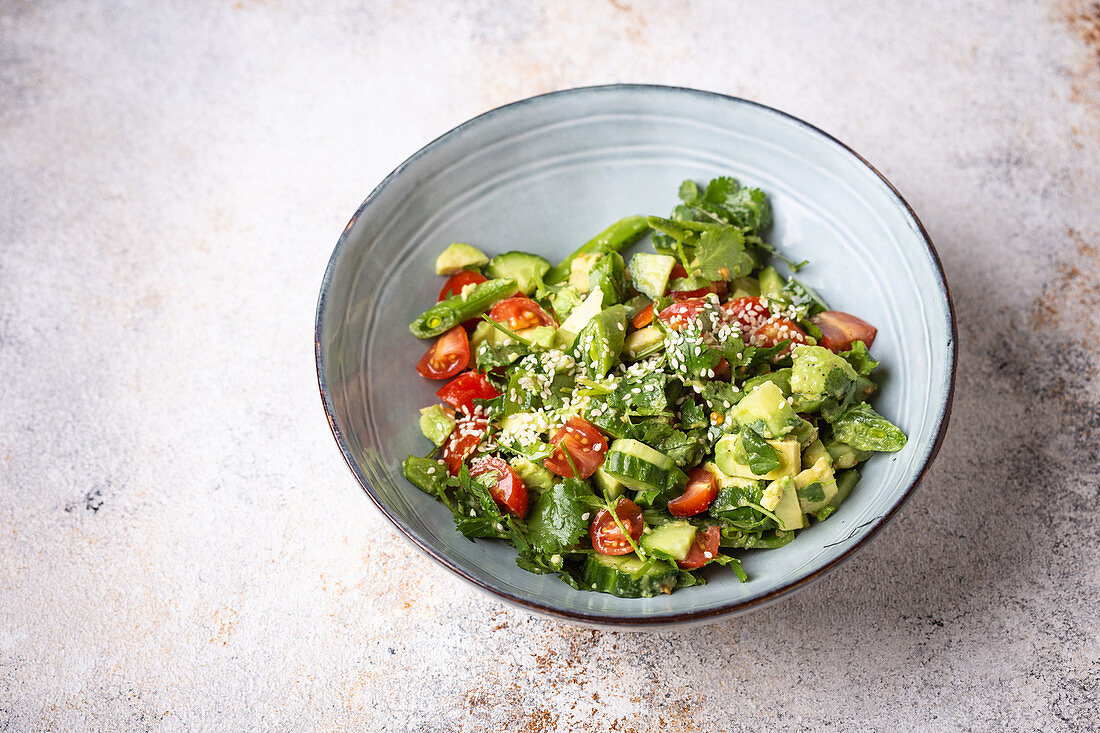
544	175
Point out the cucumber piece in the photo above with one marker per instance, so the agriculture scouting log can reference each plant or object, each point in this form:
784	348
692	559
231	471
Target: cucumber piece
744	287
457	257
628	576
844	455
533	475
845	482
771	283
609	275
642	451
636	473
669	541
611	487
525	268
651	272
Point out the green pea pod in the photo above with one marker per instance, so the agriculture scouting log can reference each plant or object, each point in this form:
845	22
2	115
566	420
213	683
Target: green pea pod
447	314
613	239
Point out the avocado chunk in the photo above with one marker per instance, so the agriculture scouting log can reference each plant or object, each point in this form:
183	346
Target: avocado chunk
437	423
781	378
565	300
643	341
813	453
533	475
459	256
651	272
771	283
816	486
669	541
732	459
844	455
766	411
581	268
818	377
787	510
578	319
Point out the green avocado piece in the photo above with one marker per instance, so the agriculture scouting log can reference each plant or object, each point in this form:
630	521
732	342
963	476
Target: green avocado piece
766	411
459	256
436	423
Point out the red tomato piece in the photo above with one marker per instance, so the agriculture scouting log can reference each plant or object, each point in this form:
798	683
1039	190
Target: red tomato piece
778	329
703	549
447	356
644	317
722	370
459	280
677	272
461	391
719	288
509	491
701	489
607	538
519	313
585	444
679	316
840	330
748	313
467	435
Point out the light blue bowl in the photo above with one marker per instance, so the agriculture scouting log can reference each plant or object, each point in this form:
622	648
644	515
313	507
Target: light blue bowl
544	175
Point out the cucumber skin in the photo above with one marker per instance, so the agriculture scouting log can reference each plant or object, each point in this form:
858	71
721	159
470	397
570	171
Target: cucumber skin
635	473
601	575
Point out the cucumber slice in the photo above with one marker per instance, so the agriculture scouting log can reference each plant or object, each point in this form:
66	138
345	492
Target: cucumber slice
611	487
642	451
670	541
524	268
628	576
635	473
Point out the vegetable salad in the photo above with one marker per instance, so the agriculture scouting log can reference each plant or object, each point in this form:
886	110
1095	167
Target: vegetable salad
625	424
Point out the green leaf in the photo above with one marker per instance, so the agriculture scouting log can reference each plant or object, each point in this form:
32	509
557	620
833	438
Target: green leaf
762	457
812	493
801	296
689	192
720	254
557	520
720	190
860	358
864	429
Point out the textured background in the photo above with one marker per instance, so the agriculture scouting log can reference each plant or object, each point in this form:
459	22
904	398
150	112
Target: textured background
181	545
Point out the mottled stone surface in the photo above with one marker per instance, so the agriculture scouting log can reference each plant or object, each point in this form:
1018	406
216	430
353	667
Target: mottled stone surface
181	545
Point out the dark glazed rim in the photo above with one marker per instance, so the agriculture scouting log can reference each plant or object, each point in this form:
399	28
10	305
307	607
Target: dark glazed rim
664	619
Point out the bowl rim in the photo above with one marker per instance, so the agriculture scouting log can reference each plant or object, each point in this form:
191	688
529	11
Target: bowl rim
665	619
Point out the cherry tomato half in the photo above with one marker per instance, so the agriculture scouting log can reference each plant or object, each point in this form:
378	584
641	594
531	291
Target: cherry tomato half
748	313
678	271
701	489
607	538
679	316
703	549
840	330
586	445
459	280
461	391
644	317
509	490
778	329
447	356
467	434
519	313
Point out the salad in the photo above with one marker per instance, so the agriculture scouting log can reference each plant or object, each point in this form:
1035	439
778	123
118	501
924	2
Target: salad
624	426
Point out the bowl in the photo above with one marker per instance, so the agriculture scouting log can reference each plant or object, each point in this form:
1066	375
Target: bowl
544	175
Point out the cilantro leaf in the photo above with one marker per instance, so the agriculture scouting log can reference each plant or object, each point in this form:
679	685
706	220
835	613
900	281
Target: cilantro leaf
762	457
813	493
557	519
720	254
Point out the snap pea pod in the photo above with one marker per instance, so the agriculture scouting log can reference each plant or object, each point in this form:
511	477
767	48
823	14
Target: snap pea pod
463	306
615	238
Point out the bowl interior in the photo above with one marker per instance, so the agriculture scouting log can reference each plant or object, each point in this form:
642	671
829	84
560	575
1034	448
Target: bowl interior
544	175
